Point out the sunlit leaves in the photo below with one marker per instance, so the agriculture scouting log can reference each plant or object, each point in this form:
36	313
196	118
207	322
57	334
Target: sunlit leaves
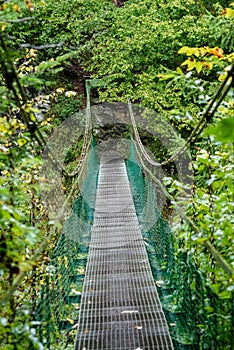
208	57
191	63
228	12
189	51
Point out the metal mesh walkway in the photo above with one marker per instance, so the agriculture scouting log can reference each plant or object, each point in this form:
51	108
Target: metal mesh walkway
120	308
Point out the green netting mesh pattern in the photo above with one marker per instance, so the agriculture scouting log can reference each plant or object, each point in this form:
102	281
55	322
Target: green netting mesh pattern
195	315
61	286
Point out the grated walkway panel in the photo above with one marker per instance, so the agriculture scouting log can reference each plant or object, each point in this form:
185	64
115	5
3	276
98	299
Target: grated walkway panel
120	307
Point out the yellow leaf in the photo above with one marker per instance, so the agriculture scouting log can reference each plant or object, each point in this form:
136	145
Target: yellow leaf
189	51
16	8
222	77
21	142
191	63
70	320
32	117
27	107
198	67
3	27
60	90
3	7
183	49
208	65
33	53
196	52
204	50
227	12
230	58
185	63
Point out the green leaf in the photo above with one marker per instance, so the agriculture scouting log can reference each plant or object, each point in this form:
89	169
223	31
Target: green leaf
209	308
224	131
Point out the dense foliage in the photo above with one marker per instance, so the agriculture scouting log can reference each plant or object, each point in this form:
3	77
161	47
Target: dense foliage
170	56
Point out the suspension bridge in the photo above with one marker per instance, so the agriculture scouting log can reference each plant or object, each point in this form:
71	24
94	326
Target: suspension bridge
115	280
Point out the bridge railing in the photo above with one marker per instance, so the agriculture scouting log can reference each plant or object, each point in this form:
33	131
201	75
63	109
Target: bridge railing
56	312
194	312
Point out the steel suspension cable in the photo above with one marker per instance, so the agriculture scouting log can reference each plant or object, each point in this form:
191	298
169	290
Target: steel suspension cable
87	138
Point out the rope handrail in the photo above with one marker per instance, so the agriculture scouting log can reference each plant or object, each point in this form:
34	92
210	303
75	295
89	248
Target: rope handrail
210	247
87	134
207	115
137	137
85	146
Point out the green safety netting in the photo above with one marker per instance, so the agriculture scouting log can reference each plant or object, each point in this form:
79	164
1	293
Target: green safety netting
61	286
195	315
